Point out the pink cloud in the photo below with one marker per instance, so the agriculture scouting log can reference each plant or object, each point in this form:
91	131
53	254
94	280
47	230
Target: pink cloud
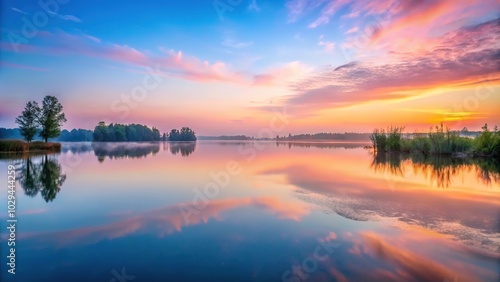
388	23
297	8
327	45
328	11
20	66
172	63
461	57
279	74
329	237
352	30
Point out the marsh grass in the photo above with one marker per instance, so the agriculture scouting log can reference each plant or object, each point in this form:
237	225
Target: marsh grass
440	140
19	146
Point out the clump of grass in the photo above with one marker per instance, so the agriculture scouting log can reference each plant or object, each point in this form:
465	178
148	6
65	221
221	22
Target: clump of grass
13	146
394	139
44	146
445	141
488	142
379	140
440	140
389	140
420	143
21	146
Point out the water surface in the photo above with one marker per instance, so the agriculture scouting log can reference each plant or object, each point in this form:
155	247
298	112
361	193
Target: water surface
252	211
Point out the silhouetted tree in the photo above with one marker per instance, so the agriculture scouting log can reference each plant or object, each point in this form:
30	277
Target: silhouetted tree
51	118
174	135
185	134
28	120
76	135
122	133
156	134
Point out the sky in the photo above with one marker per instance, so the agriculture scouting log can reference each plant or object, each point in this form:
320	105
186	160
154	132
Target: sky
255	67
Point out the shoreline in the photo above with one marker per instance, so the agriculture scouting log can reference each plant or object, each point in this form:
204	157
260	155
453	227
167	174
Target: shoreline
19	146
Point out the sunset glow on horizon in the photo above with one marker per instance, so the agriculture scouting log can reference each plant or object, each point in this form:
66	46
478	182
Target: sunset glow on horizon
302	66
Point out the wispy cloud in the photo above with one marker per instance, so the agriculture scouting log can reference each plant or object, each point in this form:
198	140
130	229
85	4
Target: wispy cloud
280	74
296	8
351	15
328	11
20	66
235	44
19	11
352	30
170	62
327	45
66	17
254	6
173	63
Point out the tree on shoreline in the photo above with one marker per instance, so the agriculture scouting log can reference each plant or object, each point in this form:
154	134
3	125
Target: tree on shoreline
28	121
46	121
51	118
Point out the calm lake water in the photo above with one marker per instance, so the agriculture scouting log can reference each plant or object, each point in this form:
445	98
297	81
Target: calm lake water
251	211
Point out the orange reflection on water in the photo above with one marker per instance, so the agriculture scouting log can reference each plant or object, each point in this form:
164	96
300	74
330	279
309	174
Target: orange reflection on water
171	219
420	256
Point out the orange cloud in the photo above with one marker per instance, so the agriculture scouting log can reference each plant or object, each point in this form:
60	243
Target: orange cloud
457	59
281	74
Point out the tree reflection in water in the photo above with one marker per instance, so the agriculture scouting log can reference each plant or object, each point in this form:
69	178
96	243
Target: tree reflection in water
185	148
41	175
438	169
118	150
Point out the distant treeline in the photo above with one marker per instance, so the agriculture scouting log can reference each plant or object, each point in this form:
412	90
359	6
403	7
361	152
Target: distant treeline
11	133
138	133
226	137
300	137
327	136
123	133
75	135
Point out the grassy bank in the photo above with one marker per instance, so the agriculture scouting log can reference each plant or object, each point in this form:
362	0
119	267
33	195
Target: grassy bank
17	146
440	140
